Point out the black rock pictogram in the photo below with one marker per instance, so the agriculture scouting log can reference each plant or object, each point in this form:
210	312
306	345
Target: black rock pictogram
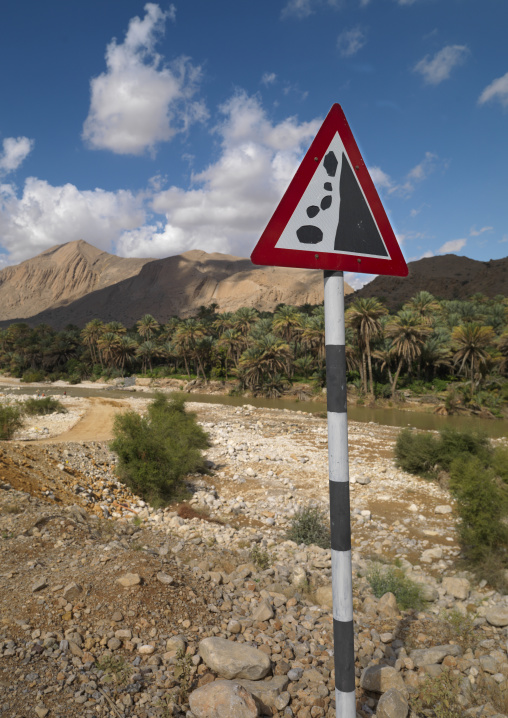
308	233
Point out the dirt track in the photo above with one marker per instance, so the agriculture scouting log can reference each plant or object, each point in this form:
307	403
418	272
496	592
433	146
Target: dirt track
96	424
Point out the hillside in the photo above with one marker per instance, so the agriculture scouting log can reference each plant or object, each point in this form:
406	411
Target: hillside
76	282
446	277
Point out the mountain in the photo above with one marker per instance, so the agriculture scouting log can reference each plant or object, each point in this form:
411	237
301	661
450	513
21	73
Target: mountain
75	282
446	277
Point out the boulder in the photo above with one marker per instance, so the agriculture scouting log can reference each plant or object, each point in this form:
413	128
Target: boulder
392	704
223	698
234	660
457	587
428	656
380	679
497	616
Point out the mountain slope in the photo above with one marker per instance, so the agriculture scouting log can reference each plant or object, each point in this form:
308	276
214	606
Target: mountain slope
446	277
75	283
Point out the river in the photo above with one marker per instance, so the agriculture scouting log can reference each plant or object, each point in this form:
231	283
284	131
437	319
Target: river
495	428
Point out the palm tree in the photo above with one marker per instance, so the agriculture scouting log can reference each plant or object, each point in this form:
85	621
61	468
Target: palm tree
146	352
115	328
363	315
313	336
287	322
425	305
470	343
185	339
408	333
91	335
147	326
108	346
243	318
125	350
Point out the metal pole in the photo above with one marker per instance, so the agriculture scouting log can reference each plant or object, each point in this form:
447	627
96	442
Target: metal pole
340	523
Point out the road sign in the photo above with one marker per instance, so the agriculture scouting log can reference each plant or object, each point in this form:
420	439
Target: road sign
331	216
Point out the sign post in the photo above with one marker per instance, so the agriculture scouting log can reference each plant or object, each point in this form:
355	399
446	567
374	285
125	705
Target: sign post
331	218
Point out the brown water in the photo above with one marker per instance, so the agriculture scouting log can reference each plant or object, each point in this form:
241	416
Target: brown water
495	428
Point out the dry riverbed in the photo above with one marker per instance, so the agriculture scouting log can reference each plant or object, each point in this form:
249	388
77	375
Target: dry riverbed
69	532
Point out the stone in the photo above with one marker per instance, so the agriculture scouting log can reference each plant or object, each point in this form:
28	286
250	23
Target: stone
263	612
444	509
234	660
165	578
41	712
176	643
324	596
39	585
234	626
428	656
266	692
223	698
432	554
457	587
129	579
497	616
146	650
114	643
392	704
387	605
380	679
72	591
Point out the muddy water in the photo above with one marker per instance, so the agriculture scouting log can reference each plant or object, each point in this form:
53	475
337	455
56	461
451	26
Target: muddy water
495	428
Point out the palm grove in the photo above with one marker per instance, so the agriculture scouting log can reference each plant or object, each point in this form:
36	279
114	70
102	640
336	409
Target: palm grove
461	346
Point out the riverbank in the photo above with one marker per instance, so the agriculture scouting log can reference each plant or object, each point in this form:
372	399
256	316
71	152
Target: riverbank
92	578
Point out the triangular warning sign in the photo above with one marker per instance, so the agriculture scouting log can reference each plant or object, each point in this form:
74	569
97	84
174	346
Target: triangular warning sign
331	216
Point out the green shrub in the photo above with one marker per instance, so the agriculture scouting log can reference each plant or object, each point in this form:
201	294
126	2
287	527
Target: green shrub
309	526
437	697
260	558
40	407
499	462
389	579
422	453
10	420
481	505
158	450
32	375
416	452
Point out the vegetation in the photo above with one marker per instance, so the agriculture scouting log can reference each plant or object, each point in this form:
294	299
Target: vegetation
157	451
40	407
309	526
391	579
455	349
437	697
11	419
260	558
478	479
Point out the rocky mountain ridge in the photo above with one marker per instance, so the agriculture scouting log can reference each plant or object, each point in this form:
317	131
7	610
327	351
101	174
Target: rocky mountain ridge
75	282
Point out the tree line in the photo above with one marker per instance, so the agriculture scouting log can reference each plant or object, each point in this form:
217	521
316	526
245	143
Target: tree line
462	344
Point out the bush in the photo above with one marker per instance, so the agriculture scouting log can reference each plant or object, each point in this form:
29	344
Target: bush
157	451
309	526
481	506
40	407
10	420
389	579
32	375
423	453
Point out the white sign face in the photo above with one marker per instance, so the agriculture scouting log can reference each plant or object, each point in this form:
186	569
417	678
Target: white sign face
318	223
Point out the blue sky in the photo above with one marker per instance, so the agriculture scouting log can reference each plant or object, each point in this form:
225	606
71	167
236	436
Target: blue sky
148	129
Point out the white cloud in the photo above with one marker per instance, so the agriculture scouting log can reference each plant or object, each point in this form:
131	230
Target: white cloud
473	232
139	102
438	68
454	245
15	150
231	201
45	215
303	8
380	178
351	41
497	90
357	281
268	78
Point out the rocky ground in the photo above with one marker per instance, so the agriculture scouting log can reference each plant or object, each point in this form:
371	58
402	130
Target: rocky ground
110	608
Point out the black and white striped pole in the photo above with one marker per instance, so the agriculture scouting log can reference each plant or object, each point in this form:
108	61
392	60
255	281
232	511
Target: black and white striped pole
340	523
331	218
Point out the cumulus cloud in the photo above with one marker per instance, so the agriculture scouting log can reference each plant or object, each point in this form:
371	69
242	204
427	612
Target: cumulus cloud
454	245
351	41
301	9
268	78
380	178
497	90
406	187
230	201
139	101
45	215
438	68
15	150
